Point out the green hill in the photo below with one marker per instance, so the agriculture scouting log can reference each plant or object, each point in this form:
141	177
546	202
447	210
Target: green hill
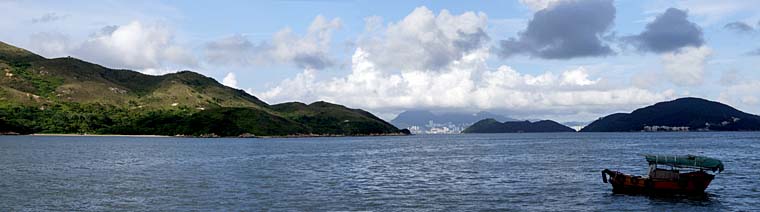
684	114
493	126
68	95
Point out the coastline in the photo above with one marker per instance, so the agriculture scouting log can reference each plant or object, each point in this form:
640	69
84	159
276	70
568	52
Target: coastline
328	135
95	135
202	136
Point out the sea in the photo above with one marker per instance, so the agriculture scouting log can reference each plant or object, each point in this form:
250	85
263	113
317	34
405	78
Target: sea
465	172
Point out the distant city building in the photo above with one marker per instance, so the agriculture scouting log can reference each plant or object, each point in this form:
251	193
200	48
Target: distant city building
665	128
426	122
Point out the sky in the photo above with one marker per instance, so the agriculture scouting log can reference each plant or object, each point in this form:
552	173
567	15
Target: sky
566	60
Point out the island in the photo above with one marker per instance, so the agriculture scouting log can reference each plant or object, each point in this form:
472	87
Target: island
494	126
683	114
71	96
426	122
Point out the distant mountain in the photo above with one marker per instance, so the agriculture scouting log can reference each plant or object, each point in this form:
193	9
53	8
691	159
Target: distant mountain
426	122
494	126
576	125
684	114
68	95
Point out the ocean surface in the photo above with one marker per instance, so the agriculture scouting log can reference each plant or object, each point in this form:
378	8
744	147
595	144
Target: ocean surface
520	172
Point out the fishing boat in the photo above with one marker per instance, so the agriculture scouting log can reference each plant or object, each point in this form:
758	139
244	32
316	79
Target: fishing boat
668	174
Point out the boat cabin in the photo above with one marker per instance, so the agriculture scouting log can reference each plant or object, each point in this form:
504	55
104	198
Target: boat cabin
659	173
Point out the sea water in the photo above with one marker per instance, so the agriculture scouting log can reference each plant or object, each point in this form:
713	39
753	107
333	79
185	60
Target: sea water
541	171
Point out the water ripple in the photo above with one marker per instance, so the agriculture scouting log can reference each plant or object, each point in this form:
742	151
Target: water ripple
555	172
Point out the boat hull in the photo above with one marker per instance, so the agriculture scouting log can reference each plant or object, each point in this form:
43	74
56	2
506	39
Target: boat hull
687	183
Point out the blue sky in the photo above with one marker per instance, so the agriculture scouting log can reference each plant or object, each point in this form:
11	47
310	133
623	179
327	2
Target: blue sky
561	59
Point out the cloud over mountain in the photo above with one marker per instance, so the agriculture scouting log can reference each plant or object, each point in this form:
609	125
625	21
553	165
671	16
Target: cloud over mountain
230	80
409	76
465	83
564	30
136	46
308	51
146	47
686	67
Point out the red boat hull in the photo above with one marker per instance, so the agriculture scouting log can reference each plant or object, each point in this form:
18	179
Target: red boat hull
686	183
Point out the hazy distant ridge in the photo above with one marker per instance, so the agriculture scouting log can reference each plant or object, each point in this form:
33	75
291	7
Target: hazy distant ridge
493	126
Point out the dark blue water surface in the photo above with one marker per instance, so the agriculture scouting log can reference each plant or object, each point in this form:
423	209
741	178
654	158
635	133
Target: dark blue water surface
553	171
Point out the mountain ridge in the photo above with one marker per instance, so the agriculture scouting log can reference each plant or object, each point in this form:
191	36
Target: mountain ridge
494	126
683	114
69	95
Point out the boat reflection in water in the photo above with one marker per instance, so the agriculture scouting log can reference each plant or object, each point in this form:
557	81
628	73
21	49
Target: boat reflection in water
682	175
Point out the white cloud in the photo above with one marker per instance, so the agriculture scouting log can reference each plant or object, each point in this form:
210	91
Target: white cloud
373	23
136	46
415	64
686	67
157	71
466	83
230	80
424	40
148	48
743	95
577	77
308	51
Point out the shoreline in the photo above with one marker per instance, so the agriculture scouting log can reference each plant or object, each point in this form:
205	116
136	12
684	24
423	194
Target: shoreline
328	135
93	135
183	136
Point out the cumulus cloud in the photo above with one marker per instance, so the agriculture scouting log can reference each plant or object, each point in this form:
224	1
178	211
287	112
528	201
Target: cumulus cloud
462	81
686	67
668	32
149	48
739	26
742	94
577	77
230	80
564	30
424	40
136	46
308	51
463	84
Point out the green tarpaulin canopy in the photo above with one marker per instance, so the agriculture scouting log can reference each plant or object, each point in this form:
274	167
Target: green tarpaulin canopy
686	161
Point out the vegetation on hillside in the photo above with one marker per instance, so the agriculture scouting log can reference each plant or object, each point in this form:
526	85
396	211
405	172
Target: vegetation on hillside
684	114
68	95
493	126
107	119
